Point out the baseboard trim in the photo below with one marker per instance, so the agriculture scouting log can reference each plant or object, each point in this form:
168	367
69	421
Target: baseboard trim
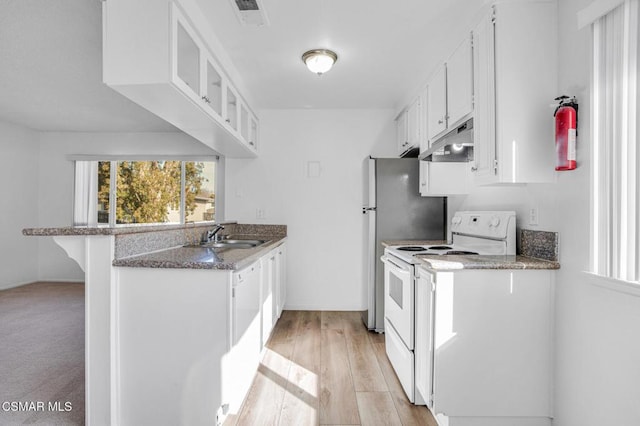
321	308
14	285
56	281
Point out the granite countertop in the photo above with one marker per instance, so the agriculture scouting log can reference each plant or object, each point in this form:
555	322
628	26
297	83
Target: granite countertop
176	245
456	262
201	257
105	230
535	243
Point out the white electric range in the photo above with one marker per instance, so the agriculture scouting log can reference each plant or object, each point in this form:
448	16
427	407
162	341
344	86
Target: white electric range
472	233
481	232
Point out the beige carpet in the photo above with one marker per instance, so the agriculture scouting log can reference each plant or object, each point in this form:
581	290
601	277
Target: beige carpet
42	354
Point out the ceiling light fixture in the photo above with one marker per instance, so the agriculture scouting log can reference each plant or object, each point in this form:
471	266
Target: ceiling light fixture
319	61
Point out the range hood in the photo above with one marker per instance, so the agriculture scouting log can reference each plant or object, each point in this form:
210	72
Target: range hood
454	146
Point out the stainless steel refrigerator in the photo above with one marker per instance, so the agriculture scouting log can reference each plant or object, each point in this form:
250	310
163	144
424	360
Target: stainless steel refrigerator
394	210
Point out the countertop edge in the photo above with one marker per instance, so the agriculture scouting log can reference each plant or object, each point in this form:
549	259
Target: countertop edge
91	230
509	262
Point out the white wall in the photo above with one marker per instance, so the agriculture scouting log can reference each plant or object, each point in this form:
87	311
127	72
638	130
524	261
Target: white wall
597	346
55	206
323	214
598	350
19	201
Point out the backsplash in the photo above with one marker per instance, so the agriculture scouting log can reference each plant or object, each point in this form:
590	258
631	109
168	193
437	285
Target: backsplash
539	244
137	243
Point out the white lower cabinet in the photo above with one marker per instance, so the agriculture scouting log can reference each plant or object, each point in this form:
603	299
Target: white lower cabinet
244	355
444	178
187	342
423	351
484	346
267	295
273	292
281	281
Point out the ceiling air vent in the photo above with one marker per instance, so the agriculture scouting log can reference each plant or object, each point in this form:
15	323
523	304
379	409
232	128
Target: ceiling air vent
247	5
250	12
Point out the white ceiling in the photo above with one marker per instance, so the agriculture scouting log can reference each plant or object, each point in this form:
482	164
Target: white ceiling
51	63
386	48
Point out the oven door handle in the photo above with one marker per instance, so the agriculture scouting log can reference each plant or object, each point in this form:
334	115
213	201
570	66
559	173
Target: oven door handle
390	262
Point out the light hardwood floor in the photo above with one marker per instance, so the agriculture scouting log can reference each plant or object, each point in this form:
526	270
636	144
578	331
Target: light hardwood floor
326	368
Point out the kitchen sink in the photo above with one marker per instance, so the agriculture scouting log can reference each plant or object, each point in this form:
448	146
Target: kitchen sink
236	244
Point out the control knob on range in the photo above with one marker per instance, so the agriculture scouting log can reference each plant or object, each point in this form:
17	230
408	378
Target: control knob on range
456	220
495	221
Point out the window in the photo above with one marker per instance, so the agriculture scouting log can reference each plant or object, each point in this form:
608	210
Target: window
615	218
127	192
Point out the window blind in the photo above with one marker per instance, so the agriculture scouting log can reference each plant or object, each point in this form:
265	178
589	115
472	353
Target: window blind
615	159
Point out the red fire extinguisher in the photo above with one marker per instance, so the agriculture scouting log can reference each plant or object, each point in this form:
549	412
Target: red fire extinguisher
566	115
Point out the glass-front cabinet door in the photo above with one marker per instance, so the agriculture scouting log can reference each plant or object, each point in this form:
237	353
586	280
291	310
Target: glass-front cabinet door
253	132
186	66
232	108
244	122
213	89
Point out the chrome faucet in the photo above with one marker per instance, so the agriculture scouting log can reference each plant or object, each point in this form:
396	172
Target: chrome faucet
212	235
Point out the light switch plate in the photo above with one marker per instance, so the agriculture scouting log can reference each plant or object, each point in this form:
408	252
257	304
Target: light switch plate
533	216
314	169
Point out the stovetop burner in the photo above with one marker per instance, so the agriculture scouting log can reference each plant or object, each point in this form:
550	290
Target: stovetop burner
440	248
411	248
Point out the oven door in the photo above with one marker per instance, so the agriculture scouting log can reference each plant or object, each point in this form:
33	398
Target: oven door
399	297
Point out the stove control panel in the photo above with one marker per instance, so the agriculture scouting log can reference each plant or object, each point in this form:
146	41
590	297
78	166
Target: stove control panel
491	224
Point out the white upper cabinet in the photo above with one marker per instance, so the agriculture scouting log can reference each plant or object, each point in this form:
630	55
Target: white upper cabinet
187	63
422	120
437	103
155	55
515	80
408	127
439	179
213	91
484	150
413	124
253	132
401	132
450	92
460	84
231	110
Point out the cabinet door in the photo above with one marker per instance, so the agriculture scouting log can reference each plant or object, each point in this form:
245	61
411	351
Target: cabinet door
413	124
424	336
246	306
244	355
186	68
267	296
422	121
424	176
442	178
401	132
212	96
437	103
281	281
485	169
253	132
231	111
244	122
460	83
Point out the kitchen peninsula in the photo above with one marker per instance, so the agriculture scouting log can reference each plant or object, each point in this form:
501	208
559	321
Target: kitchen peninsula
173	330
